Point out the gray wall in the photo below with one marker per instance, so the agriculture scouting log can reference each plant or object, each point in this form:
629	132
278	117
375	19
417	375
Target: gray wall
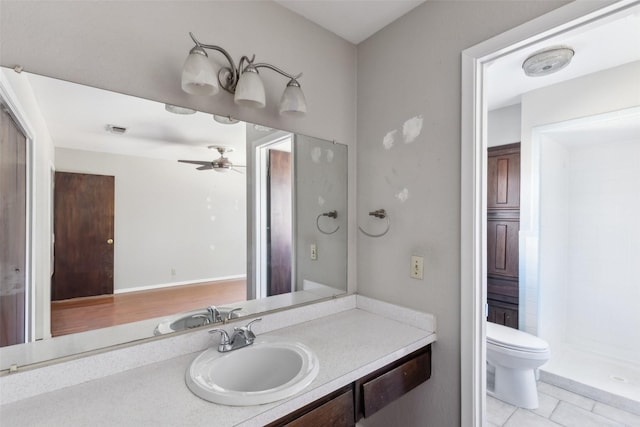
412	69
173	223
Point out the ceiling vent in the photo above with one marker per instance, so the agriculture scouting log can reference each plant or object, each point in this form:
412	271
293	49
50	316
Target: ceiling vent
116	129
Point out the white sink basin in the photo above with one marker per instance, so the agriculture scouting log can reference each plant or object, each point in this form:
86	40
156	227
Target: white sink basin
191	319
266	371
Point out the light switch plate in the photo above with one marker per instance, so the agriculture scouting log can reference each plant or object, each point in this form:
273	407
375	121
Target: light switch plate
314	252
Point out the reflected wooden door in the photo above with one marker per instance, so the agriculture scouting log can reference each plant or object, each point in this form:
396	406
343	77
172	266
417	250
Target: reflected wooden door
279	232
13	231
83	223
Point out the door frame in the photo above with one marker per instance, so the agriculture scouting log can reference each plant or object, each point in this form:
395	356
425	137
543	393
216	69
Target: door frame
257	285
10	101
473	291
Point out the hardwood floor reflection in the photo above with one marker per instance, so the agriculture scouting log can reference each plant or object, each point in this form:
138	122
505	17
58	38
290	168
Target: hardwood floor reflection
84	314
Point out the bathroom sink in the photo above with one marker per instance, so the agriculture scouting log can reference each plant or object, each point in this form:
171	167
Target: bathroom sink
191	319
263	372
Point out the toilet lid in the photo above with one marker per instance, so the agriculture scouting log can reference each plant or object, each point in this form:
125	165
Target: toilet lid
513	338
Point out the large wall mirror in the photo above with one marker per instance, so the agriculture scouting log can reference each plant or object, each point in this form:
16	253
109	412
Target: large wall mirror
125	218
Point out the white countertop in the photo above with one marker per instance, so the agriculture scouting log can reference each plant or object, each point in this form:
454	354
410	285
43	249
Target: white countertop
349	345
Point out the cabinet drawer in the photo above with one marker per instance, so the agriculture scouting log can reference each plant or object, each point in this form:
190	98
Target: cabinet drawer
335	410
377	390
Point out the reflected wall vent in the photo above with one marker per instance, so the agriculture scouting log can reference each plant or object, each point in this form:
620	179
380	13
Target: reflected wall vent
116	129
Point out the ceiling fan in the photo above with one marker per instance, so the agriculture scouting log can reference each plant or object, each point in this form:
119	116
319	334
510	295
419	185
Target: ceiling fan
221	164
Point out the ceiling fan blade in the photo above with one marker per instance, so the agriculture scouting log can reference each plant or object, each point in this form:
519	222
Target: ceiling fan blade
205	167
239	166
196	162
237	170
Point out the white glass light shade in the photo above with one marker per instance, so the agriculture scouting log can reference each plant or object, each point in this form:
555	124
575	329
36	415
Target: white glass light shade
293	101
250	90
198	75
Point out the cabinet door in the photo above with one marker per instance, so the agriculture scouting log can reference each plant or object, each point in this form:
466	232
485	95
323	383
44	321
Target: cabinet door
502	247
503	180
503	314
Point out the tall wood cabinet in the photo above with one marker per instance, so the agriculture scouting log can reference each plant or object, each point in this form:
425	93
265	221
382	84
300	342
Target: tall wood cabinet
503	225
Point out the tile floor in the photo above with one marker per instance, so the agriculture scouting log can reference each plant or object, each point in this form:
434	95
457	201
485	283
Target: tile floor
559	407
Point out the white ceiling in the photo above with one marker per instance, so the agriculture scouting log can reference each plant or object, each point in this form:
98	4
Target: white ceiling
77	117
353	20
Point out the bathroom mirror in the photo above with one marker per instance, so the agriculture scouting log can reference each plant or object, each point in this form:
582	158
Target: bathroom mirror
244	219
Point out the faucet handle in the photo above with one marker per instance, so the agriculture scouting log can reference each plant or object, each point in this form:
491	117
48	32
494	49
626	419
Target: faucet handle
230	313
224	336
251	323
248	327
246	330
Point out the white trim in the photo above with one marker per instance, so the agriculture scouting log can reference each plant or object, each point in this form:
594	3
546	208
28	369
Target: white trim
10	99
181	283
473	186
262	169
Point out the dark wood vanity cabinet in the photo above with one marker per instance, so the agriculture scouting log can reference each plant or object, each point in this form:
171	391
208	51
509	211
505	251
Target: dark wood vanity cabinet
503	226
335	409
378	389
503	314
364	397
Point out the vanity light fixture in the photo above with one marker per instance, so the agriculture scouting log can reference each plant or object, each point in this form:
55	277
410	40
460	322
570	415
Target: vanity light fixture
199	77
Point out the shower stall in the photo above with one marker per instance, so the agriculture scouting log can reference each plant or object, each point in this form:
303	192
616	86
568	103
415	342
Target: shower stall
581	260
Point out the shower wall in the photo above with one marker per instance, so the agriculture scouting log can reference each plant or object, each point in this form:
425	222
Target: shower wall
591	95
590	245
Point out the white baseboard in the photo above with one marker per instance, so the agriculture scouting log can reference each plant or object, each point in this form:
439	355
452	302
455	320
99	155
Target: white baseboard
182	283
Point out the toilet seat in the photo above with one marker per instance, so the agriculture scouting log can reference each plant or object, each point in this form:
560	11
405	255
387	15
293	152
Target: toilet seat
513	339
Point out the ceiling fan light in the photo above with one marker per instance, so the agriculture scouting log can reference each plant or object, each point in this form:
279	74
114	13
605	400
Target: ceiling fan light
198	74
175	109
250	89
225	120
293	101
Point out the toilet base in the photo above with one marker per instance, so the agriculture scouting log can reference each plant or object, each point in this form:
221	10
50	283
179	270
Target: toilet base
515	386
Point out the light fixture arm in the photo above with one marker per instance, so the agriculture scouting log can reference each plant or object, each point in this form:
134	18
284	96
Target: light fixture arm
228	77
277	70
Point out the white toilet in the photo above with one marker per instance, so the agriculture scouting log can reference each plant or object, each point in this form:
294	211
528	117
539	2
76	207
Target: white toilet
512	359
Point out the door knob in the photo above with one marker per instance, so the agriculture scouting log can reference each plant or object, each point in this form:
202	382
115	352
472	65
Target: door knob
110	241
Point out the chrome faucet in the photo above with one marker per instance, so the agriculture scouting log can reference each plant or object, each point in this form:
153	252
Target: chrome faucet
242	337
214	314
